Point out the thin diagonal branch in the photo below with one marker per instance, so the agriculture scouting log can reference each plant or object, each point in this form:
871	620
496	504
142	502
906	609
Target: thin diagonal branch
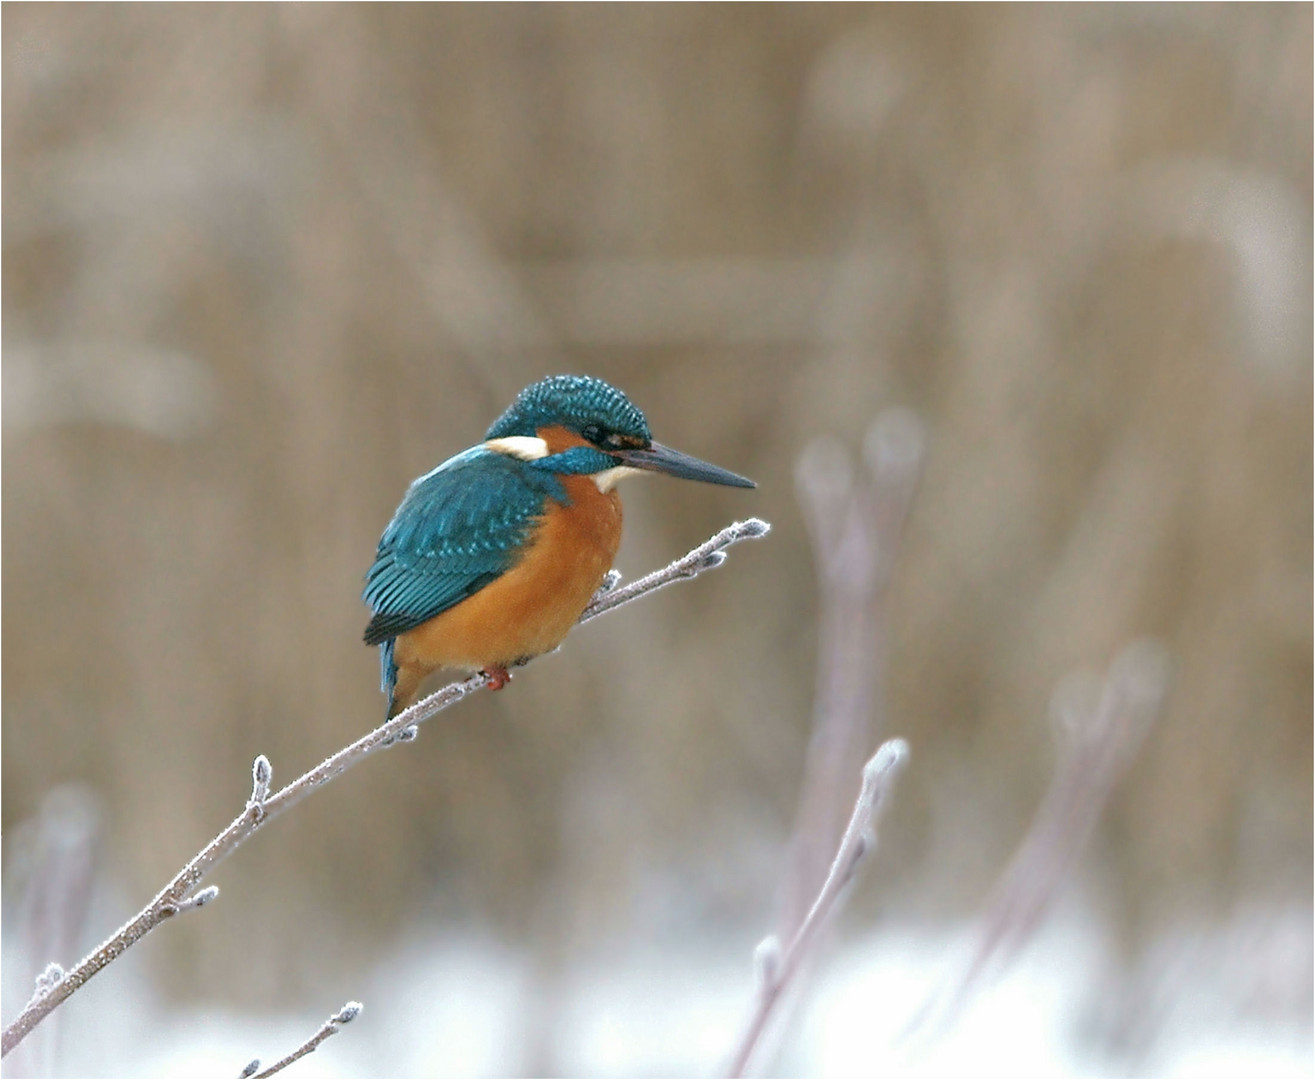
331	1026
774	968
181	894
1100	739
707	556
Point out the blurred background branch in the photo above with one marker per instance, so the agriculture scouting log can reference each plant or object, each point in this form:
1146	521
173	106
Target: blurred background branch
263	265
1100	725
855	518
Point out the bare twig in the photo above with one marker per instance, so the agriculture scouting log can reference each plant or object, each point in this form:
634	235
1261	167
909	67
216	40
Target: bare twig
331	1026
855	519
774	968
181	894
1101	737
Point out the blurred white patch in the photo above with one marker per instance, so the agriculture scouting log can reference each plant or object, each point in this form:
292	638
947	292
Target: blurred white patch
854	87
1212	1002
855	1020
1264	222
142	174
1232	999
451	1005
654	1012
164	393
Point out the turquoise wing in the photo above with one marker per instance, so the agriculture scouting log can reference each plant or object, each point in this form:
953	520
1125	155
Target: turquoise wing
459	528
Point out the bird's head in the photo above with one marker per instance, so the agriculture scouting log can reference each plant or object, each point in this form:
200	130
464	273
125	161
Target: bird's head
576	424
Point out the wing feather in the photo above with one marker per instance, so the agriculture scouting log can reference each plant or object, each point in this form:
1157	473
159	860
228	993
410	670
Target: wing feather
459	528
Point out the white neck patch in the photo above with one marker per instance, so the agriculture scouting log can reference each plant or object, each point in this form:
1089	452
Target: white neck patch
608	478
524	447
530	448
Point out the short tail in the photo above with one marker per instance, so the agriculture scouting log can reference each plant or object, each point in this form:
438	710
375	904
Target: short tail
388	673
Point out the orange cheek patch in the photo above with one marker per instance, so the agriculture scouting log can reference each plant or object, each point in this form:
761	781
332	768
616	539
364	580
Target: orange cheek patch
559	438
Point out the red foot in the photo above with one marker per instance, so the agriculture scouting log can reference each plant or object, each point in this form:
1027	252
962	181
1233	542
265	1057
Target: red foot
498	677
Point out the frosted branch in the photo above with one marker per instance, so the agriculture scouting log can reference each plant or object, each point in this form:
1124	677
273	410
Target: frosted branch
331	1026
707	556
181	894
774	968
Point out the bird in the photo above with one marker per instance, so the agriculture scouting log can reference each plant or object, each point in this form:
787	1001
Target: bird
492	557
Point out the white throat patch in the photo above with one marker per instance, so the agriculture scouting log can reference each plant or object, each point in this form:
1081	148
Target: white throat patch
608	478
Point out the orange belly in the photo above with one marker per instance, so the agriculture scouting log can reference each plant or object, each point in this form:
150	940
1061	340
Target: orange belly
530	608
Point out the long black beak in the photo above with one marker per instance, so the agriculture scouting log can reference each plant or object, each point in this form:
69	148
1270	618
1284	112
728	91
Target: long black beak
658	458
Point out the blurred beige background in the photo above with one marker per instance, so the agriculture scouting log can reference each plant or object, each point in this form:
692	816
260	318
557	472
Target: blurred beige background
264	265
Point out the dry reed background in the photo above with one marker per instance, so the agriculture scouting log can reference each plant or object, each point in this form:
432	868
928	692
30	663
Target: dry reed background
263	265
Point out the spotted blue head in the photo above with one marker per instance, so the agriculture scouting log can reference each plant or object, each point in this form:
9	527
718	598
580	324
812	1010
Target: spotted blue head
613	434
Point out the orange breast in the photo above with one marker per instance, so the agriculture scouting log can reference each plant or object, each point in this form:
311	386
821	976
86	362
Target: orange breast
532	607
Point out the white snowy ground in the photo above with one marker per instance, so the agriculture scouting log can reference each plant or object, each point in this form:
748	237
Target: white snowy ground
1230	1002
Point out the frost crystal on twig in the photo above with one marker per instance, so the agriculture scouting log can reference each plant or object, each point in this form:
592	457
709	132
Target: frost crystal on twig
348	1012
767	963
51	977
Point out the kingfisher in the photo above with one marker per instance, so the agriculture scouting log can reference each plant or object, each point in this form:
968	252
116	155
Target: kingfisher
492	557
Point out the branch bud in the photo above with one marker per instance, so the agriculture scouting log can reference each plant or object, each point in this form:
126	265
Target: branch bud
881	768
262	772
751	529
767	962
204	897
348	1012
196	900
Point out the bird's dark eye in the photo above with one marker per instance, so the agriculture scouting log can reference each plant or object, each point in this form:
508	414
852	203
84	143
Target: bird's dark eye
604	439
